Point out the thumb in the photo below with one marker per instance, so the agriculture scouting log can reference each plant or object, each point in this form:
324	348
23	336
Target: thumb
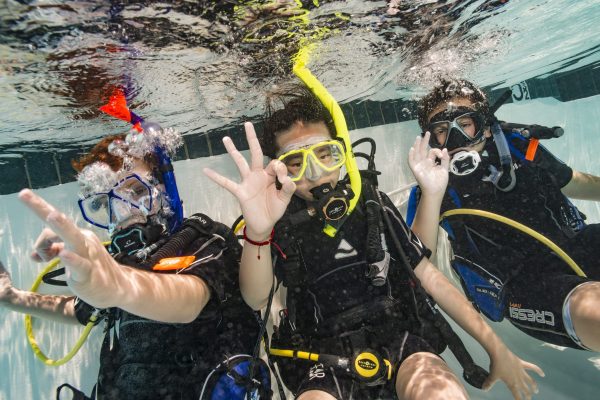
489	382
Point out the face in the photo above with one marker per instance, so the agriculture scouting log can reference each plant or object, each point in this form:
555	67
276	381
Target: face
144	194
128	202
466	123
304	135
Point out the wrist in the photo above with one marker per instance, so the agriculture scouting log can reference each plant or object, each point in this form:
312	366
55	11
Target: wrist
251	235
7	297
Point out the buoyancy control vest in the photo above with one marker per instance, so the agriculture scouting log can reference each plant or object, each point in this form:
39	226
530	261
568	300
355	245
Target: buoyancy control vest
487	255
371	303
144	359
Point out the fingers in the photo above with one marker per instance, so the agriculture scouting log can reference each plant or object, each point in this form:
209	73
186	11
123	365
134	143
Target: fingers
530	383
489	383
35	203
256	154
47	254
47	246
68	231
534	368
63	226
516	393
288	187
237	157
423	145
220	180
445	159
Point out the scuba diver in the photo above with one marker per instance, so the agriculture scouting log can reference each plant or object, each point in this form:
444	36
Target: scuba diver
176	324
377	329
502	180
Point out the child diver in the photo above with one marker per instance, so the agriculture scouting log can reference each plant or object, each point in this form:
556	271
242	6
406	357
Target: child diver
335	303
169	326
503	173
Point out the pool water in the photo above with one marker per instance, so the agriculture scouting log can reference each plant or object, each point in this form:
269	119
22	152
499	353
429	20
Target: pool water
192	70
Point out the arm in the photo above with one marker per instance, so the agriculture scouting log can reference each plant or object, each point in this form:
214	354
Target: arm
170	298
504	364
433	179
256	275
262	206
94	276
56	308
583	186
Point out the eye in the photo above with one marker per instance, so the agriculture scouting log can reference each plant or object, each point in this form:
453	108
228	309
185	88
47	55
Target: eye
465	122
293	163
440	131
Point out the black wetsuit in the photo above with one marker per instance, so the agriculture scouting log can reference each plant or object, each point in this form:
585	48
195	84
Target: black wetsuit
145	359
537	281
335	308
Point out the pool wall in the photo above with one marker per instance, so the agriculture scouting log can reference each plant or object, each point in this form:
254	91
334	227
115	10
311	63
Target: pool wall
570	374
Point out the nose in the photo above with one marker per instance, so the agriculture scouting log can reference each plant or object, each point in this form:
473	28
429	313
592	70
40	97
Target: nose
313	171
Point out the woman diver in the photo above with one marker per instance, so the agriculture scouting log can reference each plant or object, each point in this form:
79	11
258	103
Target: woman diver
337	300
168	324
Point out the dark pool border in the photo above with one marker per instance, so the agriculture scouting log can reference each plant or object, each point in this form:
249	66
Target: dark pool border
35	168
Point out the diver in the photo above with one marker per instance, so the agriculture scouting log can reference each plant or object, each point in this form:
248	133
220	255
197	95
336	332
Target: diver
176	326
475	164
301	231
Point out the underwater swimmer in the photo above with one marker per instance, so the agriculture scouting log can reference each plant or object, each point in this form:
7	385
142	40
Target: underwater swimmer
332	304
173	326
539	294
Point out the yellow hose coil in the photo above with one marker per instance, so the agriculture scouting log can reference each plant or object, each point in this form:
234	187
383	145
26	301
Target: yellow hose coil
29	328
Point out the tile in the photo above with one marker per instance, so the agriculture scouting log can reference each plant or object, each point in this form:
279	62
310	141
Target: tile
348	115
374	113
388	111
63	158
197	144
586	82
237	134
361	116
13	171
42	168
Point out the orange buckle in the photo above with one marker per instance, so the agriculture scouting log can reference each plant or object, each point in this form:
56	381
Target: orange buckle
173	263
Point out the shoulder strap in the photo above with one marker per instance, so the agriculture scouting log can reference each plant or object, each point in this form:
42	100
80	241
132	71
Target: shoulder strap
413	201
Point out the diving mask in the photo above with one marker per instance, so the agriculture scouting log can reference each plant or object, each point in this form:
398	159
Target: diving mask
312	161
131	196
449	128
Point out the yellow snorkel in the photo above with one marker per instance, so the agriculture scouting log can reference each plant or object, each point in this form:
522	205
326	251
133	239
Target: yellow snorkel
339	121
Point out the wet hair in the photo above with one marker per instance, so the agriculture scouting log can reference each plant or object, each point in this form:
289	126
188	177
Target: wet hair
286	105
447	90
100	153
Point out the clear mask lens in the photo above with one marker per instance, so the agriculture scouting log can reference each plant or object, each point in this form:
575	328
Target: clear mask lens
451	130
313	161
135	191
130	196
95	208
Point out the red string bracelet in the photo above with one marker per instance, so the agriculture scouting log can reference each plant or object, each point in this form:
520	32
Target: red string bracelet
265	243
